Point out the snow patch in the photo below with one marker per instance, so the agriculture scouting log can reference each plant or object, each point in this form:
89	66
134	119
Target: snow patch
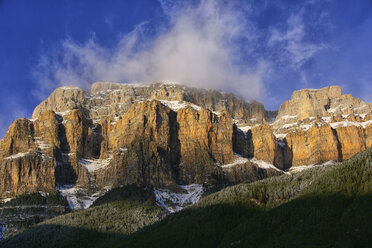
306	127
263	164
123	150
69	88
177	105
18	155
92	165
327	119
332	110
362	115
43	194
289	125
78	198
6	200
173	202
41	144
366	123
238	160
296	169
63	113
280	135
245	128
286	117
350	123
260	163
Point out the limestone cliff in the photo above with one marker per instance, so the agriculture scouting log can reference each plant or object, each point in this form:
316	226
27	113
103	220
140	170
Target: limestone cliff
317	145
24	164
150	144
327	105
324	124
161	135
112	99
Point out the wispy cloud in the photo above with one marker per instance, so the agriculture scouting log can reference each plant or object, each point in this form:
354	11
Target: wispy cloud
291	42
213	44
199	48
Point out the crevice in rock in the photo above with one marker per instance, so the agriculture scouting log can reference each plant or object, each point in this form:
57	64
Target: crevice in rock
339	148
175	145
64	172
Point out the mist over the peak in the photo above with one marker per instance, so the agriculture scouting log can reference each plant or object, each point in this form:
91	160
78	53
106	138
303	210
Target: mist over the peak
257	49
200	45
254	48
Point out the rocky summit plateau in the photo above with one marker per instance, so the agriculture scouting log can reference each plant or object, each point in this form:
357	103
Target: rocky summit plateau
179	141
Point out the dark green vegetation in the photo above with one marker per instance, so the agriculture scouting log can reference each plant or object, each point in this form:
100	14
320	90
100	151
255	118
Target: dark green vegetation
322	207
121	211
26	210
53	198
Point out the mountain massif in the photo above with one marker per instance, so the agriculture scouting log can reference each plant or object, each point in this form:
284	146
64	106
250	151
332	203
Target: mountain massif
164	136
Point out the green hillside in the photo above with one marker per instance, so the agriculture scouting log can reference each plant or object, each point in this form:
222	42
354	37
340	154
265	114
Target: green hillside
321	207
121	211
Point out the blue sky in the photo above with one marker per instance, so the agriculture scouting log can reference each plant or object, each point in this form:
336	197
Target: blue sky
258	49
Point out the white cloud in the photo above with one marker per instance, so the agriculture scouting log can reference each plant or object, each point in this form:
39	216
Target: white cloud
212	44
200	49
290	41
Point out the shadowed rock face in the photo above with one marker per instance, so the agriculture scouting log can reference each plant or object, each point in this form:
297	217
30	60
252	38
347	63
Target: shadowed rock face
260	142
161	134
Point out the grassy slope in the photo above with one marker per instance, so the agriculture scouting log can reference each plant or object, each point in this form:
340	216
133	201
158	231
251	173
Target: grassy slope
322	207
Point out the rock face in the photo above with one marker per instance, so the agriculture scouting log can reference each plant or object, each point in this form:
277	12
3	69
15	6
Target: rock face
317	145
157	146
23	165
328	105
111	99
313	127
324	102
368	135
322	125
260	142
306	103
160	135
205	139
149	144
351	140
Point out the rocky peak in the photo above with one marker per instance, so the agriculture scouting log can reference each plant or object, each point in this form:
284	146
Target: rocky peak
326	105
163	134
308	102
114	99
325	93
